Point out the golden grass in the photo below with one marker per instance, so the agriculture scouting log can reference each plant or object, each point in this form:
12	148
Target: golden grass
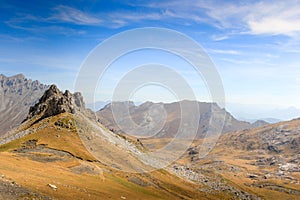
111	184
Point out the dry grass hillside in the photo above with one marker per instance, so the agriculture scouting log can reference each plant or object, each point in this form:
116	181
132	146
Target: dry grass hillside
264	162
53	155
61	151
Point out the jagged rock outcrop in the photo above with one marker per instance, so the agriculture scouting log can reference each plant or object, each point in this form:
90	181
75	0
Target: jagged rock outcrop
54	102
17	94
78	100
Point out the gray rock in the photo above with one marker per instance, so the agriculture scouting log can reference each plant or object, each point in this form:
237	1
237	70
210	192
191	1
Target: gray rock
17	95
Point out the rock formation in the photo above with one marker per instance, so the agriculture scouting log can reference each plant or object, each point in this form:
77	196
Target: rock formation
17	94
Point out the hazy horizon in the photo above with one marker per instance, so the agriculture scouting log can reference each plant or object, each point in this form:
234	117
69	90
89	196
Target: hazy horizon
244	112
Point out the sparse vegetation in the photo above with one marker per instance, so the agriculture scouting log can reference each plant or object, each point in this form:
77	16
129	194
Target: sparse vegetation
70	155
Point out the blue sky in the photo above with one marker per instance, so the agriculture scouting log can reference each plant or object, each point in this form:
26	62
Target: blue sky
255	45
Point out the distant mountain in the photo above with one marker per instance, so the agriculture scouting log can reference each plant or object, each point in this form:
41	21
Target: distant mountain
285	113
61	148
271	120
267	120
269	113
264	159
147	114
97	105
282	138
259	123
17	94
68	155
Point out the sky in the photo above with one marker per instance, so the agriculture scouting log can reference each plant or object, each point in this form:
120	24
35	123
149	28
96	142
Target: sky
255	45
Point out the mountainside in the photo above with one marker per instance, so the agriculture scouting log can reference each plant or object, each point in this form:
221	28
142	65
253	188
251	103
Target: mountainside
98	105
263	163
61	152
148	114
17	94
259	123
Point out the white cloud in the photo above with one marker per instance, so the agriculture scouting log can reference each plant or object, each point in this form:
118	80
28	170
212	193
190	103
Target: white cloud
219	37
219	51
265	17
256	17
280	19
52	22
75	16
260	17
120	19
275	26
247	62
59	14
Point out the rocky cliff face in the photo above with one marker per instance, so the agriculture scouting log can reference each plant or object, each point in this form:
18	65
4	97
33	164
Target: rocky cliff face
17	94
52	103
55	102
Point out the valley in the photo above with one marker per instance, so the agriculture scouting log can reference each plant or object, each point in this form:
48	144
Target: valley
64	151
150	100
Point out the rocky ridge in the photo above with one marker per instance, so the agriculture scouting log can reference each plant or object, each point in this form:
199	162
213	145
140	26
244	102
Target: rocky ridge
117	152
52	102
148	115
17	95
55	102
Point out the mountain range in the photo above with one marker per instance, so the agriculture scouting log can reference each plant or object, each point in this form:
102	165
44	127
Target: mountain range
269	113
60	149
148	114
60	153
17	95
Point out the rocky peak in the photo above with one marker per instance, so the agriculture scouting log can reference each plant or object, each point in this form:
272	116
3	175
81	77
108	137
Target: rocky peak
54	102
15	77
17	95
19	85
259	123
78	100
52	91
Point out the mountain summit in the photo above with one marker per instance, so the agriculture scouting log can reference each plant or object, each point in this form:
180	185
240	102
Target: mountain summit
212	118
60	148
17	94
61	151
55	102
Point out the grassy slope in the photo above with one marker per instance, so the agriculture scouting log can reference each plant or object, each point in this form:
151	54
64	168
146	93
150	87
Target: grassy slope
236	157
109	184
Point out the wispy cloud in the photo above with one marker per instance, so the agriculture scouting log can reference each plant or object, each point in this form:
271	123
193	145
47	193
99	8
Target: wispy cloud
254	17
260	17
248	62
219	37
53	22
42	29
276	18
68	14
123	18
219	51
